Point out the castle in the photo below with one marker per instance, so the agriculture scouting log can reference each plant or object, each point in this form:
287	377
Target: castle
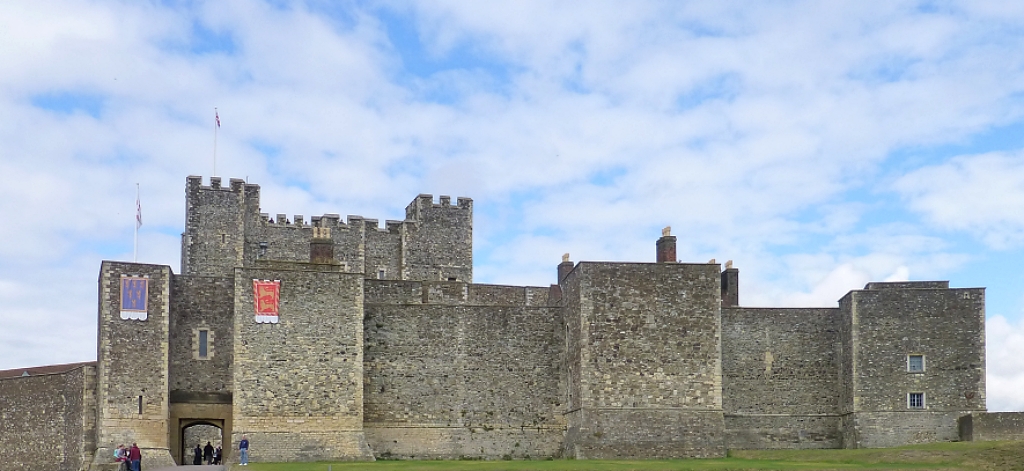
336	339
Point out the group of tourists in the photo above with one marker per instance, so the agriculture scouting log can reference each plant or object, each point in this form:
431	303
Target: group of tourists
128	459
207	454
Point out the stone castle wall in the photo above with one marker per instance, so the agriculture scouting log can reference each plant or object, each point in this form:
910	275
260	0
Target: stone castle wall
207	303
889	322
298	384
650	375
990	426
780	378
461	370
132	378
48	421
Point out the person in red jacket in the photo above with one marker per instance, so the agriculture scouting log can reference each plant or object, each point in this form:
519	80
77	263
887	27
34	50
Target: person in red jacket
135	458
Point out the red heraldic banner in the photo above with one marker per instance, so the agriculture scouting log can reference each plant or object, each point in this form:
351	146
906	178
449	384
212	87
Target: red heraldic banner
267	295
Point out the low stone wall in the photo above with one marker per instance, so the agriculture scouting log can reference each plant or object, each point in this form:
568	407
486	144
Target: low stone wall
992	426
44	421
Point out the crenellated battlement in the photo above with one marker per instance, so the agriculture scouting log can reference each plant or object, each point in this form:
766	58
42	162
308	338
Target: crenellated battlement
226	229
424	204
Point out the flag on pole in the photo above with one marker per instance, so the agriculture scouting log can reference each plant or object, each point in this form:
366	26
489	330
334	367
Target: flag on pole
216	116
138	212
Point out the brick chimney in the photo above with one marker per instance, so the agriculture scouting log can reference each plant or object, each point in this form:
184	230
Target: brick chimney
321	246
730	286
667	246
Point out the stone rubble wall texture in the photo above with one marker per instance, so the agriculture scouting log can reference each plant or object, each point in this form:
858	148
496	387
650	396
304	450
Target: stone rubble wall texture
650	373
298	384
133	364
45	421
992	426
201	302
781	374
457	370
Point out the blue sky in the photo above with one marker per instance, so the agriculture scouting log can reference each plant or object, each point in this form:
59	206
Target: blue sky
819	145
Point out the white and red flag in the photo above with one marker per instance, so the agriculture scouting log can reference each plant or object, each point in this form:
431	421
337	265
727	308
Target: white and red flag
267	296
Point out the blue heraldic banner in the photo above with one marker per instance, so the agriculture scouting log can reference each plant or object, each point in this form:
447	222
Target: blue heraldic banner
133	297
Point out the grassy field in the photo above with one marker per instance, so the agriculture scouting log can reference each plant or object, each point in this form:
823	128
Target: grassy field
967	456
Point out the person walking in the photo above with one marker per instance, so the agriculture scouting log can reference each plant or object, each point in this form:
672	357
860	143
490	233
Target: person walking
208	453
217	454
135	458
197	455
243	451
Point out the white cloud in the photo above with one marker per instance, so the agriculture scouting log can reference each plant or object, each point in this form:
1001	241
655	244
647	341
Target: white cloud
980	194
1004	349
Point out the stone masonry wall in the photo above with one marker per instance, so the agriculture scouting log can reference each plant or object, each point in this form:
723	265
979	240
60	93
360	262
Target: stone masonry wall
439	244
299	383
650	361
457	370
780	375
132	373
214	237
889	323
44	420
199	302
989	426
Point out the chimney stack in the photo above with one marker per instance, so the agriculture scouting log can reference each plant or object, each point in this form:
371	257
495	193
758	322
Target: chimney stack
564	268
667	246
321	246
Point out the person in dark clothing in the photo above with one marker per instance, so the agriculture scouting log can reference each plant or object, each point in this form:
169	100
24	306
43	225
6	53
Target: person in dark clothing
217	455
208	453
197	455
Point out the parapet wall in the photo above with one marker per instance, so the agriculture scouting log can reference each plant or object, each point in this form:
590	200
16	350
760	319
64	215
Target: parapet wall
460	370
48	421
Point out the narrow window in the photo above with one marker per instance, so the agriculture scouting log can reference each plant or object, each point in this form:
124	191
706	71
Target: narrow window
915	363
915	400
380	275
140	405
204	343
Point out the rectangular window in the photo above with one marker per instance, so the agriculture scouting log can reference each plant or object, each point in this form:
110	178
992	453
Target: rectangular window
204	343
380	275
915	363
915	400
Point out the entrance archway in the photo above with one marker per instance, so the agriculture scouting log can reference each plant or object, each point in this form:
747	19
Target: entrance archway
199	432
204	422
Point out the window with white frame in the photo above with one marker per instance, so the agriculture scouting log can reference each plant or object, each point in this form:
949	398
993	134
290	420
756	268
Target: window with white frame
915	400
915	363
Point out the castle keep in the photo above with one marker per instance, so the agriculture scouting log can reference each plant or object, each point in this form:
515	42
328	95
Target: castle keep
374	342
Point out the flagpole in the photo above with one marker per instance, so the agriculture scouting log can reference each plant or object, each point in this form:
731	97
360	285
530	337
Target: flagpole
138	216
216	124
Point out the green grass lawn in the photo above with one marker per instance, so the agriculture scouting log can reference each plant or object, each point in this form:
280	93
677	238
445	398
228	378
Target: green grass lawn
967	456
